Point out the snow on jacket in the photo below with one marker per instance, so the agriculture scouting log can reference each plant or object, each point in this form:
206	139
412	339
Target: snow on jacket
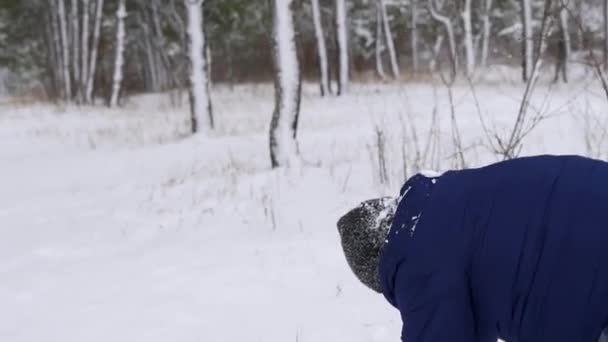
516	250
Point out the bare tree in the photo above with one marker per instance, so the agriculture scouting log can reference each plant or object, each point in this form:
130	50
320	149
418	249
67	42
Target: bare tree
563	43
388	36
200	101
379	47
435	51
151	70
84	60
56	47
121	14
487	29
65	47
342	42
468	38
449	28
523	125
527	39
606	34
414	35
75	41
321	48
284	123
94	49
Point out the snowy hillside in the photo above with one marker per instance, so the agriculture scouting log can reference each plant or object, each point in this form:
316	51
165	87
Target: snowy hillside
117	226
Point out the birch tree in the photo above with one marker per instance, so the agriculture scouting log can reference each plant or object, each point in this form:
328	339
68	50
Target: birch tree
284	123
565	45
75	41
605	34
321	48
414	35
487	29
449	28
342	48
94	49
379	46
468	38
57	49
527	38
200	102
121	14
84	58
388	36
65	47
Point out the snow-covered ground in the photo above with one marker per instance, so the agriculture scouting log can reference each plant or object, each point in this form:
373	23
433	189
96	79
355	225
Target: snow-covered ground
117	226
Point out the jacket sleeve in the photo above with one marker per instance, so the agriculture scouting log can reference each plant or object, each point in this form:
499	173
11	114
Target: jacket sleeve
436	308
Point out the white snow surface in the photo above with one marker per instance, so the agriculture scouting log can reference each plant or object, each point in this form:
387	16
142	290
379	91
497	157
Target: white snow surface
117	226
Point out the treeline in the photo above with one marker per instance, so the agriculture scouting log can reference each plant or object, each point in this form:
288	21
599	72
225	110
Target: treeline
70	48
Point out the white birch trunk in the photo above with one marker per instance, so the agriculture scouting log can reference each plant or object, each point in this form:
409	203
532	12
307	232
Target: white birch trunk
379	47
563	22
414	36
487	29
65	47
436	49
121	14
342	39
75	41
84	59
447	23
321	48
388	35
527	38
606	34
283	127
200	103
94	48
468	38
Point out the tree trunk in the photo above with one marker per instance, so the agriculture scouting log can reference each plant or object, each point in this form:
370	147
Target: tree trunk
94	48
414	36
75	41
447	23
321	48
166	70
379	47
200	102
487	29
342	48
151	83
388	35
606	34
57	48
527	39
121	14
84	60
468	38
283	127
566	48
580	34
65	46
53	65
436	49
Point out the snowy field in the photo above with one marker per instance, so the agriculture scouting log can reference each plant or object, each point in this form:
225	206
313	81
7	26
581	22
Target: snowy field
117	226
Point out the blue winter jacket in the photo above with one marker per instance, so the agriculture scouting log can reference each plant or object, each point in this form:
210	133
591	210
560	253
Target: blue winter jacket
516	250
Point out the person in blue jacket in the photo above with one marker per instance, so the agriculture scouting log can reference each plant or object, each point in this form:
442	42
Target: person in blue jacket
516	250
